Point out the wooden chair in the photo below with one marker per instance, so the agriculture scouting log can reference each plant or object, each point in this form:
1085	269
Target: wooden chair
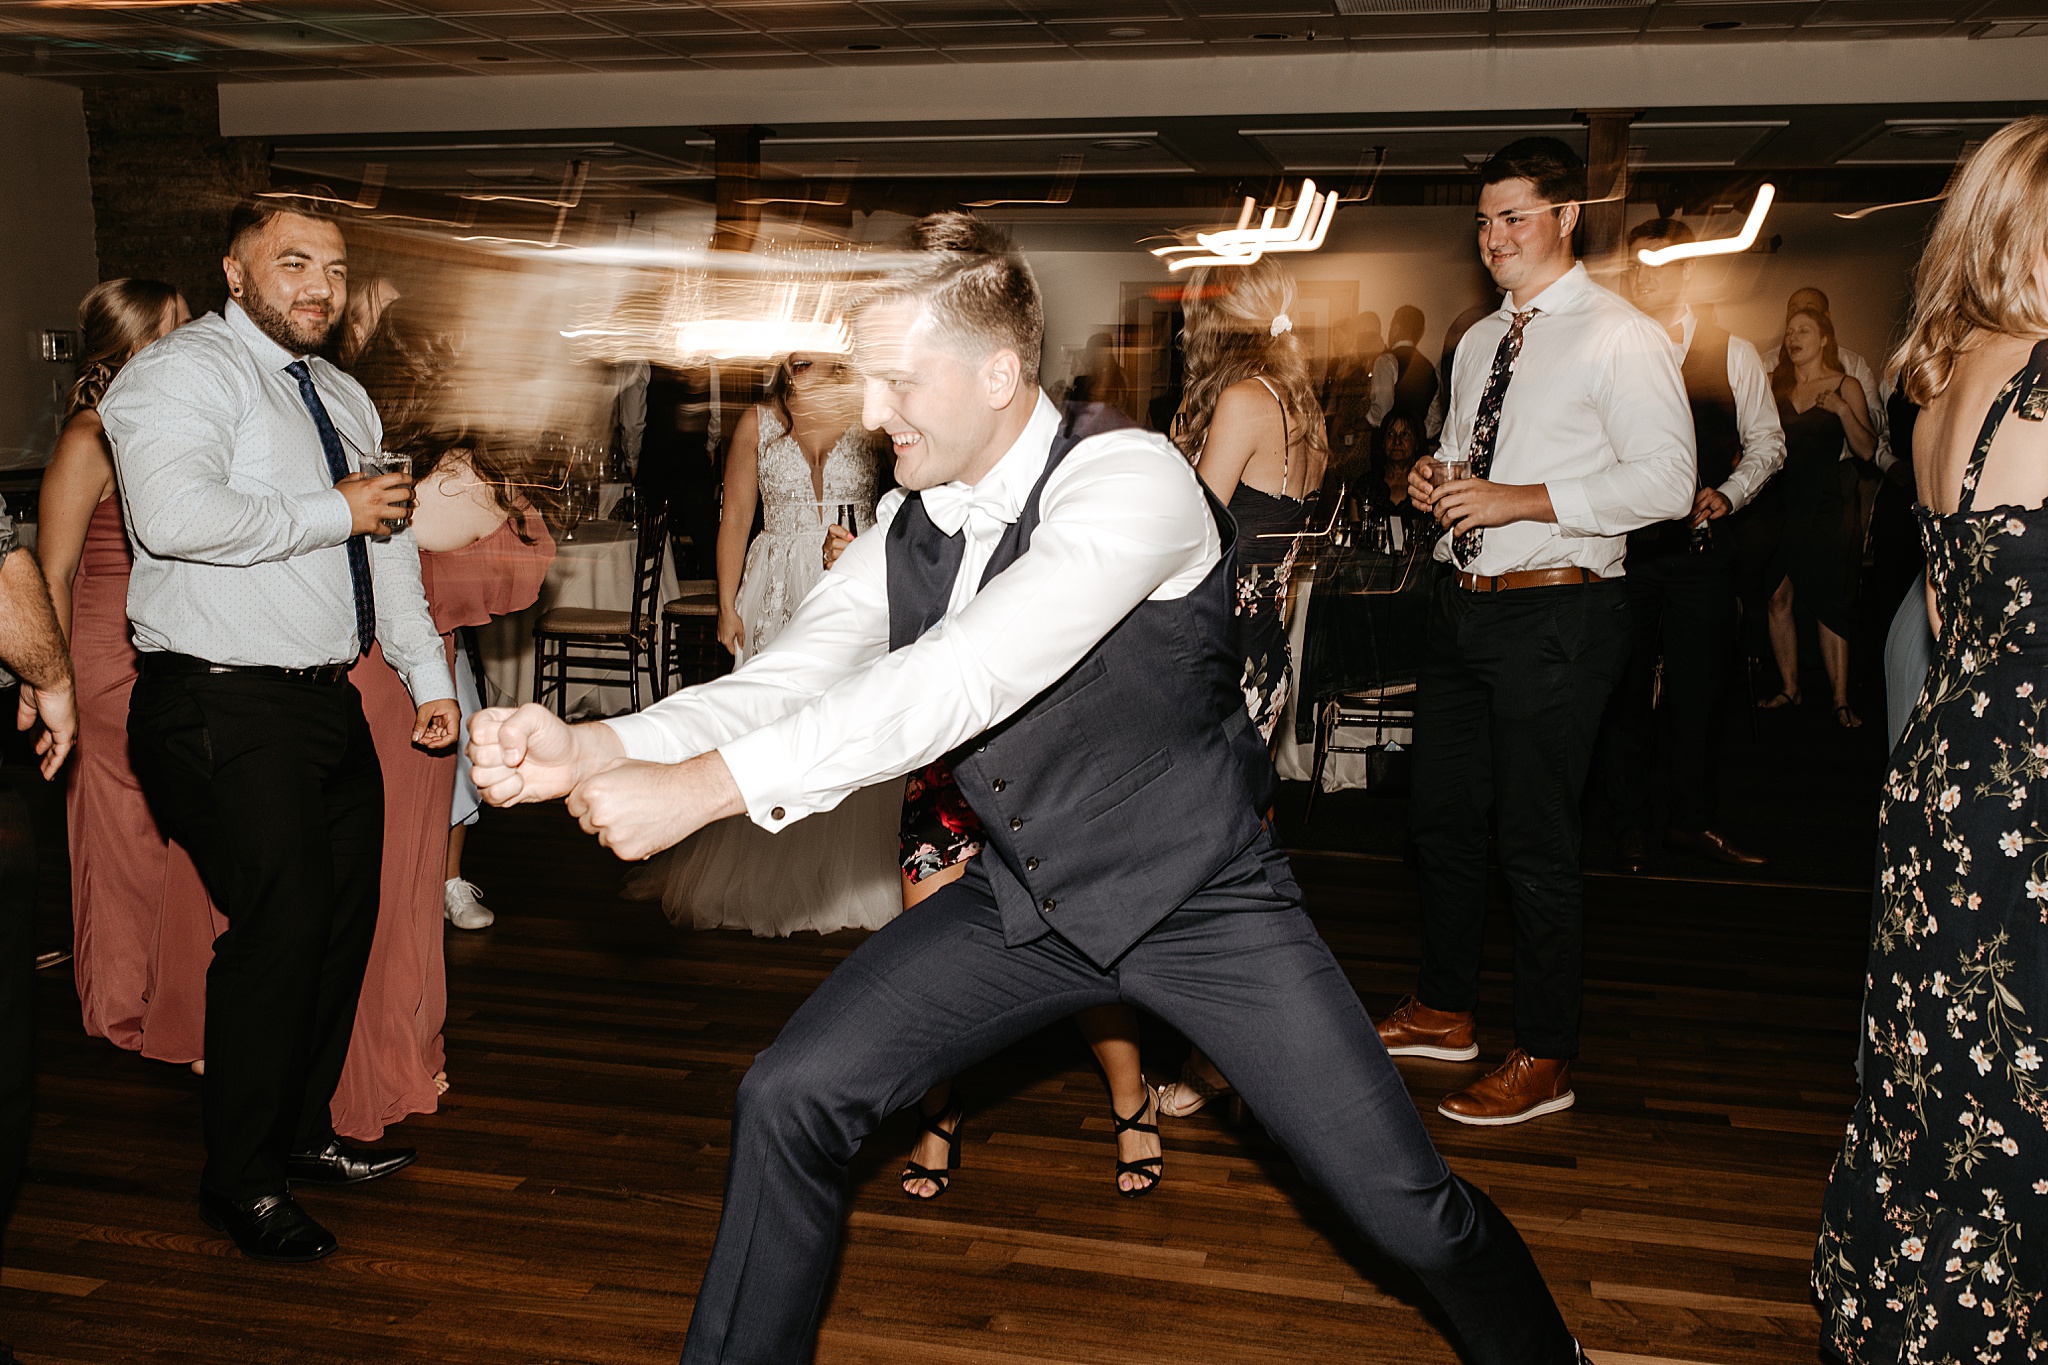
587	644
690	652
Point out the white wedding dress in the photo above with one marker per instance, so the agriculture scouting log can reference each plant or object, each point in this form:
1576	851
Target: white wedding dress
835	870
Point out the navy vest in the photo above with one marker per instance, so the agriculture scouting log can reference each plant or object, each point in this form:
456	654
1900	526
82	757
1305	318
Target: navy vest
1117	793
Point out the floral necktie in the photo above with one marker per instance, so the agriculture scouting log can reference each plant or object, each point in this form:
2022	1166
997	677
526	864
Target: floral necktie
1486	425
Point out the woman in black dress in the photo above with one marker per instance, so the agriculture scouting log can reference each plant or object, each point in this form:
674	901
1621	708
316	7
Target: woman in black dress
1922	1255
1819	407
1253	427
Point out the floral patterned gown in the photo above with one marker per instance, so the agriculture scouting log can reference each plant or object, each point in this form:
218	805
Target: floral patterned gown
1934	1233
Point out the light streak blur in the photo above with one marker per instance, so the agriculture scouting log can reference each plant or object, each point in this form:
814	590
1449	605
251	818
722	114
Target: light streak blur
1305	230
1068	175
1720	246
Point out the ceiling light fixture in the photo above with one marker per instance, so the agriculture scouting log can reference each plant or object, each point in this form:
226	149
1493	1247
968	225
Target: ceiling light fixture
863	47
1124	31
1721	25
1244	244
1121	144
1926	132
1271	37
1720	246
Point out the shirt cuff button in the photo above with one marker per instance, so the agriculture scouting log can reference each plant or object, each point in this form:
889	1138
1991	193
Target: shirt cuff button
775	814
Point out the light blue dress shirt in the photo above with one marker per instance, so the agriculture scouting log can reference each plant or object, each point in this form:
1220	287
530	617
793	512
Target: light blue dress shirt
237	529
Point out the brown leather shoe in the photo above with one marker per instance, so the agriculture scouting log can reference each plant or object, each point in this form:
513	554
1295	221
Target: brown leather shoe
1519	1089
1713	844
1416	1030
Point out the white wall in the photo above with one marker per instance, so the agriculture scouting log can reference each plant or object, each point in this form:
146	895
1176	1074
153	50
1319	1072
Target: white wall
49	262
1707	70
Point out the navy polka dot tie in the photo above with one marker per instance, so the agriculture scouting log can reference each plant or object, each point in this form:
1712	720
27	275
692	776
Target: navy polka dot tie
337	468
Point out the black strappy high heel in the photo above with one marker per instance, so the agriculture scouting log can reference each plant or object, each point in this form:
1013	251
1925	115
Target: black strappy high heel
943	1177
1151	1169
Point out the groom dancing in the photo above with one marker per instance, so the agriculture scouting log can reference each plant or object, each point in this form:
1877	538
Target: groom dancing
1055	611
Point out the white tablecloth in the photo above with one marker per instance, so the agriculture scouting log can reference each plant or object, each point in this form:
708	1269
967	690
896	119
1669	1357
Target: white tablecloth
1295	761
595	569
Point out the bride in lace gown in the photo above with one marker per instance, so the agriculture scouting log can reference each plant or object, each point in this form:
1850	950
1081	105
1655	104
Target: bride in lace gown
805	456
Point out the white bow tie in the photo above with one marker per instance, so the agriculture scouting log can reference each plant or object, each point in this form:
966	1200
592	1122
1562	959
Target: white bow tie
954	505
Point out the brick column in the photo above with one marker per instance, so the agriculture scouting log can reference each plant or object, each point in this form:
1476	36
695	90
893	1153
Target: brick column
163	183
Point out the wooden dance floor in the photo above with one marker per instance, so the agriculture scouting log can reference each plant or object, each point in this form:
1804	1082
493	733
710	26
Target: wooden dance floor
565	1197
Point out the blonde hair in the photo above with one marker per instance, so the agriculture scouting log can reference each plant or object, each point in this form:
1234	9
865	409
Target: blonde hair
1977	274
1232	335
116	319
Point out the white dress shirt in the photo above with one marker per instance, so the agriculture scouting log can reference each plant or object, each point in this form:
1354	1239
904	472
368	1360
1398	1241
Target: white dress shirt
1596	412
1386	376
1858	369
238	531
1756	415
827	708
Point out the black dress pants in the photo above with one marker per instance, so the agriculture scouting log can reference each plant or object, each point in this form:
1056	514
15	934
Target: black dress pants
1238	969
272	786
17	993
1508	704
1681	606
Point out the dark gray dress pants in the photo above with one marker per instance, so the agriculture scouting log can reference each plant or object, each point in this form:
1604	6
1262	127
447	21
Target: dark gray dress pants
1238	969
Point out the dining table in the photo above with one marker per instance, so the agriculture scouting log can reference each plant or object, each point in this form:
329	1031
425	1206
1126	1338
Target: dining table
593	567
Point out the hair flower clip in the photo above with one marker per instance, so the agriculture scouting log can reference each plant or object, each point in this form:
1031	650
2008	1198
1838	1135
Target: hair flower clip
1281	323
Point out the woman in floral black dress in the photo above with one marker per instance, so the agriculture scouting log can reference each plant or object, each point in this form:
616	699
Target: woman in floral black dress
1925	1253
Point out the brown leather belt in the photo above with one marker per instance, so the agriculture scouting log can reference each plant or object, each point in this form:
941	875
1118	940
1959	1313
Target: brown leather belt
1526	578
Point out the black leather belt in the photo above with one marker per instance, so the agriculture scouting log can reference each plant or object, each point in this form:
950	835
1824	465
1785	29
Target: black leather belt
167	663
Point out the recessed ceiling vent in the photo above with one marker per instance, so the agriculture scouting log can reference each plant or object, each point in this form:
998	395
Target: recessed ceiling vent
1413	6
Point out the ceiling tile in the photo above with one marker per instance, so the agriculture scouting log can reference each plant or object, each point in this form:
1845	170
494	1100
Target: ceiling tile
1748	16
598	49
547	24
1414	26
728	45
660	21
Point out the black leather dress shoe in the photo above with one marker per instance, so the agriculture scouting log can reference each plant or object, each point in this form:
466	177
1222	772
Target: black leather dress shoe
270	1228
1713	844
340	1164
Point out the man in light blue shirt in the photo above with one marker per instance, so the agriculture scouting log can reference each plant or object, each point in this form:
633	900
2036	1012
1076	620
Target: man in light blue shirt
262	572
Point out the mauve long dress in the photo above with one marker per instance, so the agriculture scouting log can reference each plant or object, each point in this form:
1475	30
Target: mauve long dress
396	1047
142	924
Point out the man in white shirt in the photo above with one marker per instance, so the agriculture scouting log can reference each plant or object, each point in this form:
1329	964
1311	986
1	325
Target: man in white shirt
1054	610
1590	440
1681	574
260	578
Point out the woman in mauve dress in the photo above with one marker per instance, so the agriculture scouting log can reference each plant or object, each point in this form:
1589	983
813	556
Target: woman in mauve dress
396	1062
142	925
483	553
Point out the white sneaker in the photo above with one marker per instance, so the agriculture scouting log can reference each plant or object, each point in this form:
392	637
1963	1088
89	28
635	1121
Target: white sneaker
464	910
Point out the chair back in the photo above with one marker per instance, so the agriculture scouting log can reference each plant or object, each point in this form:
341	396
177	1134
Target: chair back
653	546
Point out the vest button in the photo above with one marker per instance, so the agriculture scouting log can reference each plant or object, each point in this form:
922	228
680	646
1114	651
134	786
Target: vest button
1031	864
1016	822
981	748
1050	905
775	814
999	784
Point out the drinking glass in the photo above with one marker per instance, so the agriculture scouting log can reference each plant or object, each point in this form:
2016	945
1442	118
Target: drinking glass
1447	470
379	462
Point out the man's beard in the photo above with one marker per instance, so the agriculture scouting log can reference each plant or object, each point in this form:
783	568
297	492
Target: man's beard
278	326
